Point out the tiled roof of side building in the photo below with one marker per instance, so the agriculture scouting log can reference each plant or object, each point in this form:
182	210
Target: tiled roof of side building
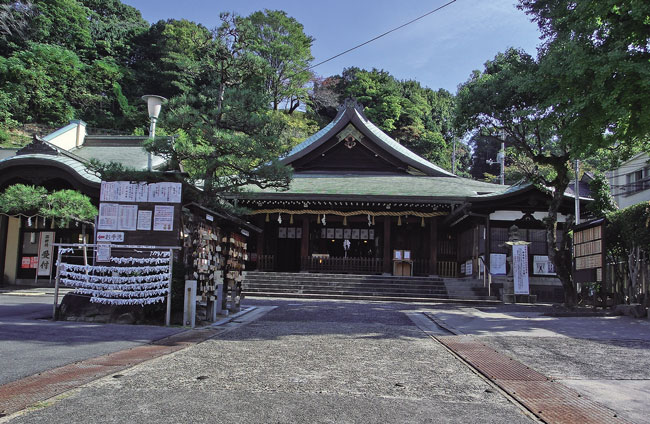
129	156
69	162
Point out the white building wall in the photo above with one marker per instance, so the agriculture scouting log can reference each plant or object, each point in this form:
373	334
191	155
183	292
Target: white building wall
630	183
68	137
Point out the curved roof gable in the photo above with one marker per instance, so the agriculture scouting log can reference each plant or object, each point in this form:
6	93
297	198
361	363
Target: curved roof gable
351	112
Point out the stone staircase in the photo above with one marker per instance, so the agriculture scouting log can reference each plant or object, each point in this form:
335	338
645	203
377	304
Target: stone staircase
368	287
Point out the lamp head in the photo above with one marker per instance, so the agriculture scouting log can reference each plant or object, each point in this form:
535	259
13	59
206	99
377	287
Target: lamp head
154	103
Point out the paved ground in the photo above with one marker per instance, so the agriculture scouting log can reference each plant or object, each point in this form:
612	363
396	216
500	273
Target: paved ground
31	343
332	361
306	361
604	358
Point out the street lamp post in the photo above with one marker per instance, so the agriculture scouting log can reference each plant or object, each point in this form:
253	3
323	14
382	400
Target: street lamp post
154	104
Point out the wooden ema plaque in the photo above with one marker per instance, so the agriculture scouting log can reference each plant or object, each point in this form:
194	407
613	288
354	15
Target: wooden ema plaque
589	252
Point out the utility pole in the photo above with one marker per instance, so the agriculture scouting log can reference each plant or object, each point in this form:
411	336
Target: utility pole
501	157
576	190
453	159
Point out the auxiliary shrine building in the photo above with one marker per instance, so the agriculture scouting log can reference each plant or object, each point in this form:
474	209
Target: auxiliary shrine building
360	202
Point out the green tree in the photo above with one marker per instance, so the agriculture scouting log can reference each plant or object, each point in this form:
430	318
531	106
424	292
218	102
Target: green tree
113	27
280	40
44	83
226	135
64	205
63	23
603	51
15	20
516	95
628	240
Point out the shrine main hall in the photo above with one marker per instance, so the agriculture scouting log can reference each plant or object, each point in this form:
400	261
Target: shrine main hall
358	198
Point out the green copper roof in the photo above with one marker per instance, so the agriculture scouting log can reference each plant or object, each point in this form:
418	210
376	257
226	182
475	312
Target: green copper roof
381	185
351	112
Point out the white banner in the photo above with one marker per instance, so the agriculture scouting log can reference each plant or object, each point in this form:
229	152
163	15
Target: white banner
520	268
45	252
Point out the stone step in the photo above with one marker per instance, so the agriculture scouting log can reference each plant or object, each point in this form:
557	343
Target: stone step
306	275
303	288
450	299
361	286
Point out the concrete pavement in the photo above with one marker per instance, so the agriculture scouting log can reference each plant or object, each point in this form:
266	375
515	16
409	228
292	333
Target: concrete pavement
31	343
306	361
360	361
605	358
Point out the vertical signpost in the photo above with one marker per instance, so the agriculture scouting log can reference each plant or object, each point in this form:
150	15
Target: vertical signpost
520	268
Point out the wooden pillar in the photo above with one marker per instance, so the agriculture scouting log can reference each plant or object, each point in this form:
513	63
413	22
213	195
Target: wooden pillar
388	263
260	238
304	241
433	243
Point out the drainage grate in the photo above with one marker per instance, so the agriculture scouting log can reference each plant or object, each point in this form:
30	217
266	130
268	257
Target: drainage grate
550	401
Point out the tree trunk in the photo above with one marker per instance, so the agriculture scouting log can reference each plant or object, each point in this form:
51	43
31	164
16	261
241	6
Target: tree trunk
560	255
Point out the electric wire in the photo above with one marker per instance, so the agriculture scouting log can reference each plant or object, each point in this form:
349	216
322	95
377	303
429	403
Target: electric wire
380	36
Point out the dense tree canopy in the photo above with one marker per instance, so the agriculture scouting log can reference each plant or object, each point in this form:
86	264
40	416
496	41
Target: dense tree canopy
286	50
228	137
602	51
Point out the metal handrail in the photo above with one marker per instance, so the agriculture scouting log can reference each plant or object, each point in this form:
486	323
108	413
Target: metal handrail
486	275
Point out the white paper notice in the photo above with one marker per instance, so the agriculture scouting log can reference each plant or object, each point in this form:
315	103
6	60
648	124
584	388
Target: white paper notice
520	268
108	191
142	192
498	263
125	191
165	192
103	252
128	216
144	220
107	216
542	265
163	218
469	267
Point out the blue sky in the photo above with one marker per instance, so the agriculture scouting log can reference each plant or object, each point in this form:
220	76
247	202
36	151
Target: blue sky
439	51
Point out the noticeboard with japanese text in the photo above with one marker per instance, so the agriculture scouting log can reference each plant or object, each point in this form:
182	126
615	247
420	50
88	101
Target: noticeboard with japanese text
139	213
589	252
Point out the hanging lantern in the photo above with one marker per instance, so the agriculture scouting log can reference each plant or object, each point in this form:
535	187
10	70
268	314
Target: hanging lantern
267	218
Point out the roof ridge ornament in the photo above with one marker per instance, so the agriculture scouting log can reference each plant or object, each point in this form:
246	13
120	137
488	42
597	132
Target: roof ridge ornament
351	103
38	145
